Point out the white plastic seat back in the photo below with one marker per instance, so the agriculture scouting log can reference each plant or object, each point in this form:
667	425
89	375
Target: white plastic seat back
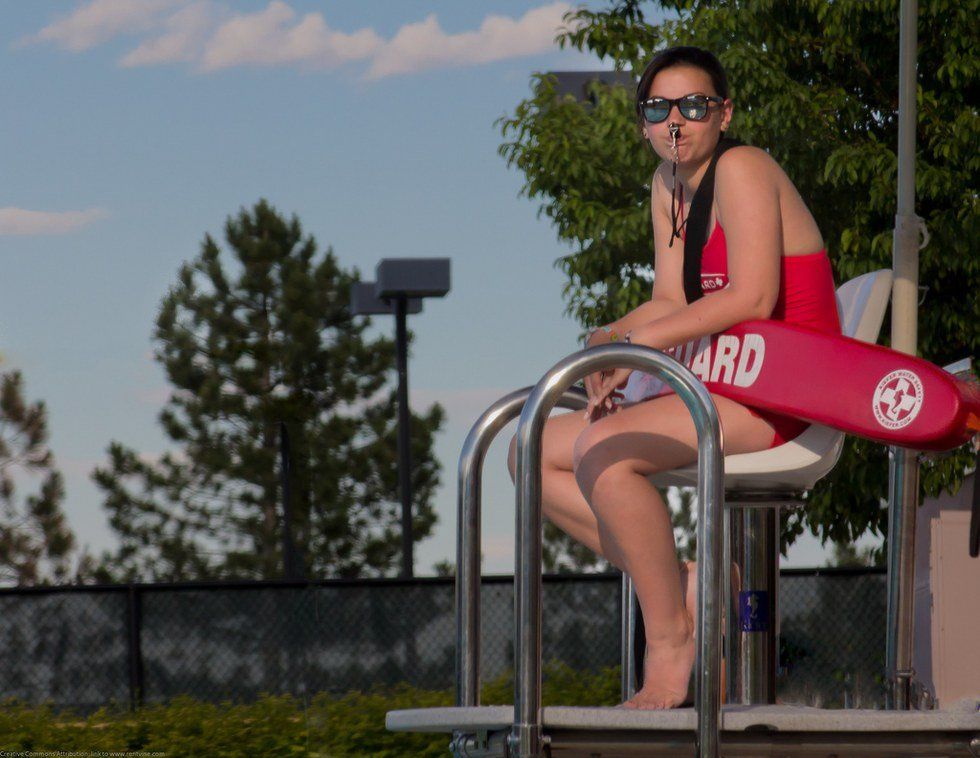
801	462
861	304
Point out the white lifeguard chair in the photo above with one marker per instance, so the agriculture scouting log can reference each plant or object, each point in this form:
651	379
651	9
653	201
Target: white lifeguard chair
756	485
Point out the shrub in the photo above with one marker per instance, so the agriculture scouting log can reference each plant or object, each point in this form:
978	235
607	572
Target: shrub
276	725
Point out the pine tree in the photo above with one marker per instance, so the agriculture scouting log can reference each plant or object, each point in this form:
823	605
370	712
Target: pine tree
259	343
815	84
36	544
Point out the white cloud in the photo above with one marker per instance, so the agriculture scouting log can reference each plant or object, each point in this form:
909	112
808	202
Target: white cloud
211	36
24	222
186	33
99	21
424	45
270	38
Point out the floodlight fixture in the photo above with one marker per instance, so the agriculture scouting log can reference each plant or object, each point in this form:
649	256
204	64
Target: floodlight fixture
412	278
363	301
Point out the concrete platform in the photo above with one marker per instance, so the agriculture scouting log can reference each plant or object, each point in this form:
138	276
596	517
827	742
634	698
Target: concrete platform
770	730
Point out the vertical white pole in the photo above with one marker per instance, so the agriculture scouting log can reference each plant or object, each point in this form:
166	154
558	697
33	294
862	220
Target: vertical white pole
903	469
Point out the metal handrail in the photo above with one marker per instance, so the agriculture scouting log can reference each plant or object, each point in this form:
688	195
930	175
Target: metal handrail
526	736
469	507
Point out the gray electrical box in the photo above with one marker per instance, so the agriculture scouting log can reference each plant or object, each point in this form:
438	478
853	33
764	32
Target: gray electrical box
576	83
413	277
363	301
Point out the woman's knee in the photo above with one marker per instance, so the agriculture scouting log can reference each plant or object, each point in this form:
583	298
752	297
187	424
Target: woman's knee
556	447
605	458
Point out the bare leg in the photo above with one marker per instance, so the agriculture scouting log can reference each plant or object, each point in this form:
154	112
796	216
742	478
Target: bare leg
561	498
636	522
689	586
613	458
565	506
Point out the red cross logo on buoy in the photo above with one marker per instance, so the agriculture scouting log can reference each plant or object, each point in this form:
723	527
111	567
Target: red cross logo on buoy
898	399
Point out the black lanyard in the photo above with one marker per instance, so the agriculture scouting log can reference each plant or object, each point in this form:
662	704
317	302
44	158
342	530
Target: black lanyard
697	223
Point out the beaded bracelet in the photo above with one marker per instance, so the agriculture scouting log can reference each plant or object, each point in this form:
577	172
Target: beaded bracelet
612	334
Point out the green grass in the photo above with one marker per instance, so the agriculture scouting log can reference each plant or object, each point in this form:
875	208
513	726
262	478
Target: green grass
282	725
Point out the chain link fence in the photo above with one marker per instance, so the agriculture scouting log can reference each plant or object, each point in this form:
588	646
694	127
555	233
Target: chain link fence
85	647
832	637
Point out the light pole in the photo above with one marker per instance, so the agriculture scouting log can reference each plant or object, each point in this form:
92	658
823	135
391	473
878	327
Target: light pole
903	466
292	559
401	285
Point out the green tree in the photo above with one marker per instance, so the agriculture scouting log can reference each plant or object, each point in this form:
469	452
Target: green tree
561	554
36	544
252	339
848	555
815	84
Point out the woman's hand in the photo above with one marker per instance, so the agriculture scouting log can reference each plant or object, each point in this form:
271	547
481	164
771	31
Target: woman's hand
607	395
599	337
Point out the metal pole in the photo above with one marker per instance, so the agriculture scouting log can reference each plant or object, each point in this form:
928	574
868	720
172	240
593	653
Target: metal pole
292	567
905	245
903	488
469	507
755	548
732	634
134	607
752	523
627	685
404	435
526	737
903	469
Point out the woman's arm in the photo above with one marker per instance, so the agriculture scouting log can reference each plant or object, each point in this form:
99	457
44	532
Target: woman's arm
651	310
668	289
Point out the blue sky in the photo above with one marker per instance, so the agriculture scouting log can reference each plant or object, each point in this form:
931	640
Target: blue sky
132	127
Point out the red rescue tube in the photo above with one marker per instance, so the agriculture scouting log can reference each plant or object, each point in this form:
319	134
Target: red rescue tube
862	389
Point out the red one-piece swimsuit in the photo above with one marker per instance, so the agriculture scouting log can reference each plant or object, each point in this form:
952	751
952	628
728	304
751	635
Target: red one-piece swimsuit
806	297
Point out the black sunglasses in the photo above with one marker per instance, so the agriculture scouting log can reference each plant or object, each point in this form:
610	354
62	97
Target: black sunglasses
693	107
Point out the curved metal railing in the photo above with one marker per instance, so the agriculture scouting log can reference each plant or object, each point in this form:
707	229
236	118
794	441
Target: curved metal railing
469	511
525	739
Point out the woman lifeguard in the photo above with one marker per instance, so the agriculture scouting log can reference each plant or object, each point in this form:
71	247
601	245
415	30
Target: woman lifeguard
764	258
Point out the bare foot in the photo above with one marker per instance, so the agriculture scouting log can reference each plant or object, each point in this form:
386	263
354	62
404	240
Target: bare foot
667	668
666	672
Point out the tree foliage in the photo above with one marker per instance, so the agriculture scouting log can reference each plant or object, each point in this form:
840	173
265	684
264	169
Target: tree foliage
561	554
849	555
252	339
815	84
36	544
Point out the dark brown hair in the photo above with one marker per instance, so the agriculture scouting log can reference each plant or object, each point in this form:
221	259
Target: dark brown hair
681	56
